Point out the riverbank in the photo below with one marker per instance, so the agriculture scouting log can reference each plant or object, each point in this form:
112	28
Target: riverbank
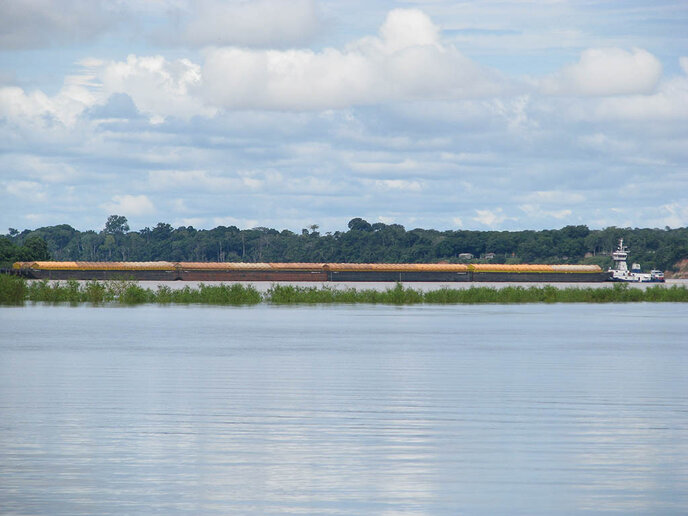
17	291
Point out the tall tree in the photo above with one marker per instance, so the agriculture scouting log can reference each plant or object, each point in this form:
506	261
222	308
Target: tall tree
116	225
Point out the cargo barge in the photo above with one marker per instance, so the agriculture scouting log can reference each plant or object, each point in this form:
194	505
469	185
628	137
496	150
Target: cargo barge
314	272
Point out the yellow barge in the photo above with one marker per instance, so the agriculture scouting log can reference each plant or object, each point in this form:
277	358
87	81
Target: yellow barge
319	272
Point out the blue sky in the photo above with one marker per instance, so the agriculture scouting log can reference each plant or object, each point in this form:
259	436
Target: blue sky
494	114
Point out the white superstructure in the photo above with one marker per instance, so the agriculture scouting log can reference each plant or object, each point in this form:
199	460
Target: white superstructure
620	270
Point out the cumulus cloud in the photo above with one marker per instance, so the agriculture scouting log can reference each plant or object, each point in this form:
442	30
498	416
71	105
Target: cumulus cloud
26	190
130	205
605	72
490	218
407	60
262	23
158	87
669	102
39	23
38	109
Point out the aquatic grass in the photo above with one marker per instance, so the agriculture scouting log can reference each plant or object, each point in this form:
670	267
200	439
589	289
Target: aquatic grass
234	294
95	292
135	295
72	292
46	292
402	296
290	294
15	291
12	290
163	295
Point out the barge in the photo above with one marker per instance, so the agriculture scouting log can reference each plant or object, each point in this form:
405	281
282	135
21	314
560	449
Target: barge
314	272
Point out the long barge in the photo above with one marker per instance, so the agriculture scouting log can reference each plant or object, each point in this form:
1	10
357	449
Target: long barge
315	272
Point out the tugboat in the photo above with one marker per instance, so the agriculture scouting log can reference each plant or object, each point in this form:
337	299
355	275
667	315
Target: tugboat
620	270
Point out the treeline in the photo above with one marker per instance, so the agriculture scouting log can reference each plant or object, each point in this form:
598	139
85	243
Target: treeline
362	242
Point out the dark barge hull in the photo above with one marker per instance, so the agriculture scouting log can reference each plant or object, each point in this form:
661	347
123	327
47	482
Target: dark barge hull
99	275
317	276
394	276
219	275
545	277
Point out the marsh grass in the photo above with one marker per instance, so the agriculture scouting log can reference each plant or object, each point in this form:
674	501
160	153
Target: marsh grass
398	295
16	291
12	290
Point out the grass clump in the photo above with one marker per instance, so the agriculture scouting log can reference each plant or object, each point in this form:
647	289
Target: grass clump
234	294
12	290
289	294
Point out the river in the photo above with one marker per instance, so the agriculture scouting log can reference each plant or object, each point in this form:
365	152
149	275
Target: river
490	409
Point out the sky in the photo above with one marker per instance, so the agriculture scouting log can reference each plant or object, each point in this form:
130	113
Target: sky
484	115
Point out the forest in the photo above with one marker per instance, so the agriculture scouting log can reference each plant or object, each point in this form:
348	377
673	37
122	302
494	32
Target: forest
362	242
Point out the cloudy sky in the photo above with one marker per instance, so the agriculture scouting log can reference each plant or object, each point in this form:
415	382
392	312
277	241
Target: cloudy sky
490	114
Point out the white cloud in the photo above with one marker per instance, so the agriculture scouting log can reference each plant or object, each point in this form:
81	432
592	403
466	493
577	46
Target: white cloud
401	30
374	167
675	216
406	61
39	110
26	190
554	197
192	221
233	221
158	87
130	205
490	218
264	23
669	102
536	211
201	180
605	72
398	184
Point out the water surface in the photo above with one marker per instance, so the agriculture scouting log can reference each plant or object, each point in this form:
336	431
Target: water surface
520	409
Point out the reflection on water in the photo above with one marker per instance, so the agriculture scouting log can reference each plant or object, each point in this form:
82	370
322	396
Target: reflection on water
533	409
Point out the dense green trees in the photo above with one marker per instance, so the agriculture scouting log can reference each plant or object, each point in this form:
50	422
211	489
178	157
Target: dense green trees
32	248
362	242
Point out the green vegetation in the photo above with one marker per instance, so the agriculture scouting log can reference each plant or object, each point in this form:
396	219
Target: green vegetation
16	291
361	242
33	247
398	295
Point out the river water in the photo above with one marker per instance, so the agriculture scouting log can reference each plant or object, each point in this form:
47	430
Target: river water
487	409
